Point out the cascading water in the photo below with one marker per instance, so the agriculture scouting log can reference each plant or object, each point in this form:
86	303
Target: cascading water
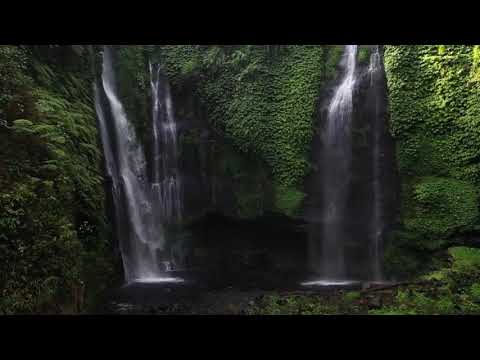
140	230
337	154
375	71
351	200
166	178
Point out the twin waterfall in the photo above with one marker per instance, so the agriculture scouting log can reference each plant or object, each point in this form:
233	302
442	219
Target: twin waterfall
141	207
345	214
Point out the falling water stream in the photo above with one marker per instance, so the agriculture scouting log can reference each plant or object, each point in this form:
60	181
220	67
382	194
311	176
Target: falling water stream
144	207
346	234
139	226
166	179
336	179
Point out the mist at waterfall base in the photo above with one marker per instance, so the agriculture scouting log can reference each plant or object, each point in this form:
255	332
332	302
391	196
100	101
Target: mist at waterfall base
141	208
349	202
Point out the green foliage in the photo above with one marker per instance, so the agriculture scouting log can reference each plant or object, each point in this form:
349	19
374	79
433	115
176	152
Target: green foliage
413	302
275	304
13	63
263	98
465	259
475	75
352	296
293	305
38	244
334	54
363	54
388	311
288	199
442	206
475	292
435	115
438	275
51	191
248	178
452	289
406	255
131	67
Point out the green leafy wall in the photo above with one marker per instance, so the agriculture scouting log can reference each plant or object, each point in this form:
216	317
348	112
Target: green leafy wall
434	95
52	227
263	98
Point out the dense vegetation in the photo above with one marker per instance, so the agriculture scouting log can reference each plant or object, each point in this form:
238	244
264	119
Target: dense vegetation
55	238
52	227
434	94
263	98
452	290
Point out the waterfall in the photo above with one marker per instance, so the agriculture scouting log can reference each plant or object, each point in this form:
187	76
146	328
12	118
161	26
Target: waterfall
351	199
140	231
374	71
337	154
111	175
166	178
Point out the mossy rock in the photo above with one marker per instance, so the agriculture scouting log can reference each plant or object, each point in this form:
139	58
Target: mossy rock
465	259
433	97
442	206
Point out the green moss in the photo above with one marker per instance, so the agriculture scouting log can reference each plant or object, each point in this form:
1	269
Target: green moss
465	259
133	86
389	311
248	178
352	296
293	305
442	206
51	188
364	54
451	288
405	256
475	292
288	199
263	99
438	275
435	113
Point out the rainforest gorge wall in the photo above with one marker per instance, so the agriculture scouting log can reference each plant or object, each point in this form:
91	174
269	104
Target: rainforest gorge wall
434	94
54	235
248	107
247	117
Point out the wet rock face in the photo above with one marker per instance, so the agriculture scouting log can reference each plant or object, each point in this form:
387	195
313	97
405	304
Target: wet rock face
217	177
228	196
370	119
249	250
